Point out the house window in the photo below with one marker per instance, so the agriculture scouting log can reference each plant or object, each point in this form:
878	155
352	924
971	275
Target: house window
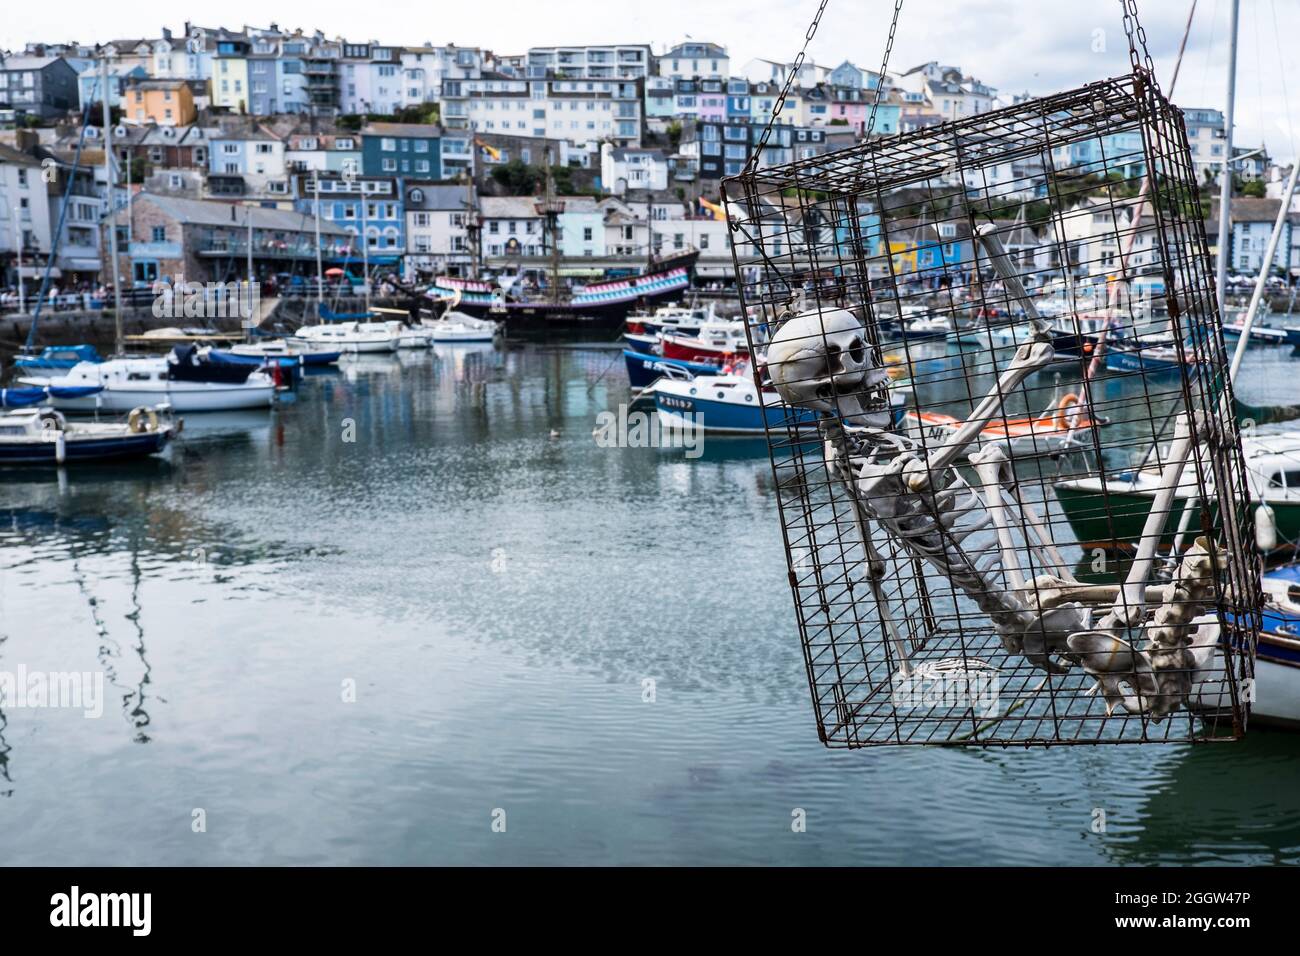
158	234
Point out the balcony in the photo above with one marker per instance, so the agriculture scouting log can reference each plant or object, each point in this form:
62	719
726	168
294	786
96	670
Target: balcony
293	248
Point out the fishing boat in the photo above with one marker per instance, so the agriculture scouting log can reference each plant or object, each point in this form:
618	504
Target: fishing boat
352	337
42	436
456	326
1110	513
923	328
124	384
1261	334
729	403
1155	359
57	357
644	342
643	368
1063	428
718	342
600	306
681	319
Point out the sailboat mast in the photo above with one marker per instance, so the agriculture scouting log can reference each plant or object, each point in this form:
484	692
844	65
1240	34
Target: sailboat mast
112	225
320	275
1225	187
365	244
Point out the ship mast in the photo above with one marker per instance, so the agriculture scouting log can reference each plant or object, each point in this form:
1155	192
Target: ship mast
550	208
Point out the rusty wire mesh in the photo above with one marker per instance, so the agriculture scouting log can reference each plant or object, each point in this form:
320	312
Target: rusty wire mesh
898	650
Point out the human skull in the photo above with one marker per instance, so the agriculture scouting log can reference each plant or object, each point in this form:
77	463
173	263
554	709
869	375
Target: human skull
821	360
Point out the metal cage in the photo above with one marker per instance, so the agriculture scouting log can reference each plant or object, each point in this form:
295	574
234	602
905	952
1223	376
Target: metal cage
984	348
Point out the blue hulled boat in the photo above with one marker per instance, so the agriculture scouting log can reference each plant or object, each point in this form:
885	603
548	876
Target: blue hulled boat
34	395
42	436
57	357
644	367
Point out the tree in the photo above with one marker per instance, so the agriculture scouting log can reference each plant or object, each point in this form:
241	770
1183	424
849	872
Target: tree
675	133
1255	188
517	178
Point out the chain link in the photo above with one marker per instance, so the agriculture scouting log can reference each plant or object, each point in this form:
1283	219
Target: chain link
884	68
1137	41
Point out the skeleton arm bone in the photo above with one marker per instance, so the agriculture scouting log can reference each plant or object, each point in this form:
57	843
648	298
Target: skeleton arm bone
1028	359
987	236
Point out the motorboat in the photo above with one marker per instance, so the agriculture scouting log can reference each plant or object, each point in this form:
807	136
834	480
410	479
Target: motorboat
677	319
283	349
717	341
42	436
460	327
353	337
1111	512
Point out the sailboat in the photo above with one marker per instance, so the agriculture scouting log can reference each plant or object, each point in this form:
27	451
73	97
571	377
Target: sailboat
1272	472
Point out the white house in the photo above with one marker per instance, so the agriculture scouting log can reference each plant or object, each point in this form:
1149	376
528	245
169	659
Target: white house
624	169
24	212
437	240
693	59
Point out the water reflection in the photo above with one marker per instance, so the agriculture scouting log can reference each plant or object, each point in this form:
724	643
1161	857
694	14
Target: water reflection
500	588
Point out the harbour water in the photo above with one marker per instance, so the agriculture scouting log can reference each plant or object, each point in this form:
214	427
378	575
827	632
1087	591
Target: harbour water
372	650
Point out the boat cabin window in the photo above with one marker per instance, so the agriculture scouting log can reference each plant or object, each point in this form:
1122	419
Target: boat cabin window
138	376
1288	479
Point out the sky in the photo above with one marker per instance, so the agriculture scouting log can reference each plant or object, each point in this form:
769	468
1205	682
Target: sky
1039	46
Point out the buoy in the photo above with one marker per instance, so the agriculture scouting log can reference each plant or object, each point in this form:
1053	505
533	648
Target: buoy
1265	528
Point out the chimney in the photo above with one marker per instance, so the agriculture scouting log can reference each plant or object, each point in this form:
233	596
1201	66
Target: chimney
26	140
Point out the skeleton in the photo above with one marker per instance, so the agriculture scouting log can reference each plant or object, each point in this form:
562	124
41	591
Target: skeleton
822	360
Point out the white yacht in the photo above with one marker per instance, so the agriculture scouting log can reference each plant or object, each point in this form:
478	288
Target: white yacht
459	327
132	382
353	337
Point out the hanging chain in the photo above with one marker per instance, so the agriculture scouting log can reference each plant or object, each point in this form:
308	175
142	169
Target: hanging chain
1137	40
789	81
884	68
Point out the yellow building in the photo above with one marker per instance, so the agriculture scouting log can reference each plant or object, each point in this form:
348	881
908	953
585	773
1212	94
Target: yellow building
161	102
230	83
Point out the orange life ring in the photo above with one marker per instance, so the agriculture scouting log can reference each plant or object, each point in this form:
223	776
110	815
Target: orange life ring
1062	416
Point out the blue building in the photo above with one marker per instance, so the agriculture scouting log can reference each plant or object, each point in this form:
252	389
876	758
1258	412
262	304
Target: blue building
412	150
737	100
383	216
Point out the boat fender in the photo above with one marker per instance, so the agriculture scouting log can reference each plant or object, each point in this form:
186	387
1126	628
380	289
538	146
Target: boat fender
60	448
1265	528
142	420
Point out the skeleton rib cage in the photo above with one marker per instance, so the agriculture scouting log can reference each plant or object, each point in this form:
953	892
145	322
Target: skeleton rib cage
1016	558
